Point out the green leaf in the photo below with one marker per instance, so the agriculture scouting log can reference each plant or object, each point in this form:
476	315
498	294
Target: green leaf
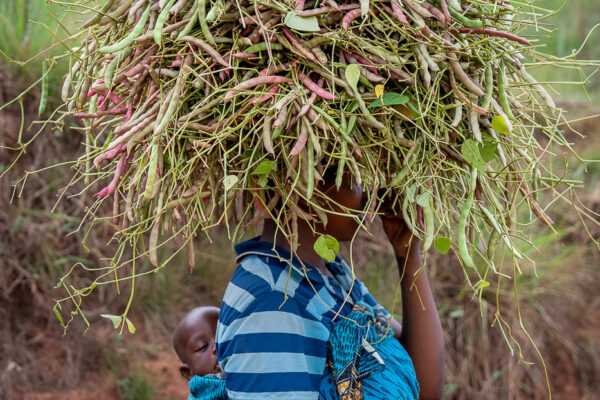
85	248
247	153
303	24
390	99
229	181
414	109
457	313
115	319
480	285
442	244
327	247
264	168
410	193
488	152
423	200
499	124
130	326
352	74
263	181
470	151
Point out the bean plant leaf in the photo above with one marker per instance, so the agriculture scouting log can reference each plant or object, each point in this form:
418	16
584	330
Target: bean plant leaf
115	319
263	181
390	99
470	151
229	181
480	285
488	152
352	74
379	90
130	326
303	24
264	168
327	247
410	193
499	124
423	199
442	244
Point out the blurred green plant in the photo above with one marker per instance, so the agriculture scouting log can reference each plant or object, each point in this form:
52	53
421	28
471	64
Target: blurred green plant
29	34
136	387
564	34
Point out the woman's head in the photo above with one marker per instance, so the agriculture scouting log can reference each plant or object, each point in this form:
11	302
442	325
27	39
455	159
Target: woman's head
347	200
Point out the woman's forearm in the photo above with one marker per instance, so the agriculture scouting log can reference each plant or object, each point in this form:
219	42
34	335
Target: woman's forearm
421	333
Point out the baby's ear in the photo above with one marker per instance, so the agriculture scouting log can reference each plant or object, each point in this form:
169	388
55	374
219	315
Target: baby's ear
186	372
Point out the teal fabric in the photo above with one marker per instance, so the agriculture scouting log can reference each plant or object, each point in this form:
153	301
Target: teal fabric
365	361
207	387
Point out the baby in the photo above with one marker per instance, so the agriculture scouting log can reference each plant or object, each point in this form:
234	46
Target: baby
194	342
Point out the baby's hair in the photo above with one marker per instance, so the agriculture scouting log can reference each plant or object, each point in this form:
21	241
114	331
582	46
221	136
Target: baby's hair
196	313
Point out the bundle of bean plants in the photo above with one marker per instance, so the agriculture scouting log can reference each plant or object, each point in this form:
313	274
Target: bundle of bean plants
204	113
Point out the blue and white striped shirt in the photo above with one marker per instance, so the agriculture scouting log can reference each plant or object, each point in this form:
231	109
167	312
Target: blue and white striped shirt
275	321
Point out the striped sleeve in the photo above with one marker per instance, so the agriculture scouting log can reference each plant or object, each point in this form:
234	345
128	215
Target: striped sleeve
273	350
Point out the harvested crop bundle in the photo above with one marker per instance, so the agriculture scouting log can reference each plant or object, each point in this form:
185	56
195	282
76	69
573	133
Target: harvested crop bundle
204	113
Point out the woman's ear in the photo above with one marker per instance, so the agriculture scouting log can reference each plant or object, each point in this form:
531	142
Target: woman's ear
186	372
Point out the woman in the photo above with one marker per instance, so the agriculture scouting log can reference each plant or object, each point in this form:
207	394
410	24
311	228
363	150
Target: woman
285	320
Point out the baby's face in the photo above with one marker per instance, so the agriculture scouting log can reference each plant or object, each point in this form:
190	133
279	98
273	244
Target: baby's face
199	349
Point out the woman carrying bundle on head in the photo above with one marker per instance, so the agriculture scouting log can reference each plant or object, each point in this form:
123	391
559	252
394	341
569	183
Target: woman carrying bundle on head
308	115
294	326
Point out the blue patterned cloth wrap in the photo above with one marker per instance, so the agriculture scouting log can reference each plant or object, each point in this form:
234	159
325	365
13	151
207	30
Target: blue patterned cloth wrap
365	362
209	387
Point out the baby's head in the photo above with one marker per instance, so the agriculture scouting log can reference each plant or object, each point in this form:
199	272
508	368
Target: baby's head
194	342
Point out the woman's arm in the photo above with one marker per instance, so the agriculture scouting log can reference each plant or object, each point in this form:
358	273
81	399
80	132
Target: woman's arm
421	331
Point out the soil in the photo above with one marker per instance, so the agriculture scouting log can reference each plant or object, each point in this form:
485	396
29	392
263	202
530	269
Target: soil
162	373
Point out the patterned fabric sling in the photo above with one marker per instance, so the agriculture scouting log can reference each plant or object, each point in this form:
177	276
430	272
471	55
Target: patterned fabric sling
365	361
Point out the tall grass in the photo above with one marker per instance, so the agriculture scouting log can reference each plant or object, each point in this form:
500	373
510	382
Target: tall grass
28	29
563	34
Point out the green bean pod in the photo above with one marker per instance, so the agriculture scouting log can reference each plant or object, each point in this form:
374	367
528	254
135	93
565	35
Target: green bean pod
188	27
44	93
429	226
203	25
214	11
492	244
310	161
407	218
99	14
262	46
150	181
489	86
463	249
502	98
127	40
160	22
340	167
466	21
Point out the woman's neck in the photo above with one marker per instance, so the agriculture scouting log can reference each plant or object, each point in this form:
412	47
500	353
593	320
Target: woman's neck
306	241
